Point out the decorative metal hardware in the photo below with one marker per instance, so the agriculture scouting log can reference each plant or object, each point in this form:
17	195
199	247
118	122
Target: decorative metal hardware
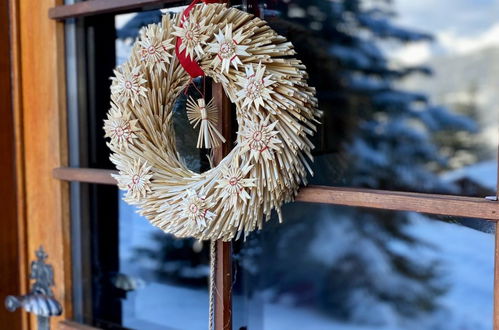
40	300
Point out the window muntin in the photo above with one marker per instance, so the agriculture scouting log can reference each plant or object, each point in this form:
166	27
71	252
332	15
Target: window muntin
126	277
330	173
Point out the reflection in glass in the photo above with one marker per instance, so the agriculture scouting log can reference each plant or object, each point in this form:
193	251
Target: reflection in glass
127	30
164	279
331	267
395	118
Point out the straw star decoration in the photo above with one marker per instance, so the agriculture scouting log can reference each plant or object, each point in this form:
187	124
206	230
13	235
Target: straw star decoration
227	48
120	128
154	50
234	182
193	35
136	179
255	88
196	209
261	139
128	84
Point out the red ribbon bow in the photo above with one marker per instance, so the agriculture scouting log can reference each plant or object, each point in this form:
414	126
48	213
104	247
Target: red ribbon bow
191	66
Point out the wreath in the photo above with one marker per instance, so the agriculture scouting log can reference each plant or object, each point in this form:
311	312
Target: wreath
276	114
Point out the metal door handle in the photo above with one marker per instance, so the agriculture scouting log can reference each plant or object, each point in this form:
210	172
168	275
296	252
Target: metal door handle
40	300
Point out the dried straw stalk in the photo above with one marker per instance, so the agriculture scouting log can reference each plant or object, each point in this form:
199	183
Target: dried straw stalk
276	112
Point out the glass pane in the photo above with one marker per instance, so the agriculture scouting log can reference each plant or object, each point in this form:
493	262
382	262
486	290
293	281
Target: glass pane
407	88
128	273
127	30
165	278
134	275
171	274
332	267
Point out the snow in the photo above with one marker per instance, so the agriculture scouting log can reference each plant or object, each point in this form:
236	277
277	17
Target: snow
365	83
398	97
384	29
163	305
467	264
280	317
437	118
466	255
484	173
349	55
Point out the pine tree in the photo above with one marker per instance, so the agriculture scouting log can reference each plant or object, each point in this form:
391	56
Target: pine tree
465	147
374	135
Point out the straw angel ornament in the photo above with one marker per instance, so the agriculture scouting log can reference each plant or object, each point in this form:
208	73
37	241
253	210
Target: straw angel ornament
204	115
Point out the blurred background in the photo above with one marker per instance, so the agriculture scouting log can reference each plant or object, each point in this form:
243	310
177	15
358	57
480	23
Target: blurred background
409	94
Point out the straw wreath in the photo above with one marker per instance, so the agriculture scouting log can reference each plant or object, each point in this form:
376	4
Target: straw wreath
276	114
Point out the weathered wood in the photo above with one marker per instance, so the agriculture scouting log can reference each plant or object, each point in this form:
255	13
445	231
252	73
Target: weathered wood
458	206
89	175
223	105
95	7
16	90
403	201
11	281
223	284
223	276
69	325
43	122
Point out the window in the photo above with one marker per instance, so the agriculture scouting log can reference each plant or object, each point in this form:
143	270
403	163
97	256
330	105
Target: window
407	153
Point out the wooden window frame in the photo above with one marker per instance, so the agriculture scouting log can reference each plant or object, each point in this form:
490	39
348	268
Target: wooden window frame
11	185
37	62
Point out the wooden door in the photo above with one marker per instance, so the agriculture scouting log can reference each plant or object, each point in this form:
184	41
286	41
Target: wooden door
37	47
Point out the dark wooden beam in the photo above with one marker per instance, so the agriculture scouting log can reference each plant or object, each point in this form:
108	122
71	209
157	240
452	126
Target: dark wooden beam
223	274
96	7
70	325
89	175
11	281
460	206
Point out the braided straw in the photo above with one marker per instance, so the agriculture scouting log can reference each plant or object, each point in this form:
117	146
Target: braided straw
213	260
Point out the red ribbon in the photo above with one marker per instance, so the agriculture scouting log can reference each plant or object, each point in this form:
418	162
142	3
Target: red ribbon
191	66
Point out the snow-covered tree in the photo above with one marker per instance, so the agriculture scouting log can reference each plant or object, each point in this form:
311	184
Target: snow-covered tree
465	147
374	135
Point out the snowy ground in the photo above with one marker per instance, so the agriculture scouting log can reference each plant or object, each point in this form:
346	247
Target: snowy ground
468	261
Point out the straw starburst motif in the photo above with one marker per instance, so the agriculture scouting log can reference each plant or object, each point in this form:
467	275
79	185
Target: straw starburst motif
234	182
154	50
196	209
261	139
129	84
136	179
193	36
227	48
255	87
120	128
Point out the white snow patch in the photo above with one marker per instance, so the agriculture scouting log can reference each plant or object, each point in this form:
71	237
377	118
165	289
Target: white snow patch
467	259
484	173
